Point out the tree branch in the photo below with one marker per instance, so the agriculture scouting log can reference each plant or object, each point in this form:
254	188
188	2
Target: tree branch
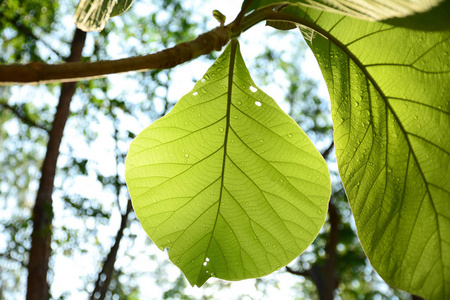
105	275
22	117
298	273
28	32
327	151
37	73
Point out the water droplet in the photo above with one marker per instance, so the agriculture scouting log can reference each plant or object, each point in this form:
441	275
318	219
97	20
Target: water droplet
205	263
206	228
203	80
257	103
255	237
235	116
290	135
195	93
186	155
239	102
253	89
261	141
274	246
356	103
207	259
221	129
178	261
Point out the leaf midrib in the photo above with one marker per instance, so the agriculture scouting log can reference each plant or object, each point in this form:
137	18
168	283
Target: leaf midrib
234	44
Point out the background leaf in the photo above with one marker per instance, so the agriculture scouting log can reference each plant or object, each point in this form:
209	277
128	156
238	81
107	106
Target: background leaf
227	181
92	15
389	91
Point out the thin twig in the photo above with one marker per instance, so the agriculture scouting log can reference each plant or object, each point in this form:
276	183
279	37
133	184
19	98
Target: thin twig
23	118
327	151
29	33
296	272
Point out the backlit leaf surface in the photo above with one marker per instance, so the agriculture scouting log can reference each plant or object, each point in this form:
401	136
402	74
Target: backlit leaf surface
92	15
227	181
418	14
390	96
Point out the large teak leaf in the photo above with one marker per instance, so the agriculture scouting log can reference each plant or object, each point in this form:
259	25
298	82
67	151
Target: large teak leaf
226	181
390	97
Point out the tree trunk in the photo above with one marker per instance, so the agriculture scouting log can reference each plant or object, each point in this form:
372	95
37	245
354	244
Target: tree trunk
37	285
331	276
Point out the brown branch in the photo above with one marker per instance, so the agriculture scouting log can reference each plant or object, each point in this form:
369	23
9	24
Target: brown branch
105	275
23	118
327	151
297	272
28	32
37	73
37	285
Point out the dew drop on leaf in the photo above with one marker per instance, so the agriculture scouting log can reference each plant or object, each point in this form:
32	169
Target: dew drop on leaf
257	103
195	93
239	102
253	89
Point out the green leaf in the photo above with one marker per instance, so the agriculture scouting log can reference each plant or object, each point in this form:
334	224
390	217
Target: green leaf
121	7
424	15
92	15
390	96
227	181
